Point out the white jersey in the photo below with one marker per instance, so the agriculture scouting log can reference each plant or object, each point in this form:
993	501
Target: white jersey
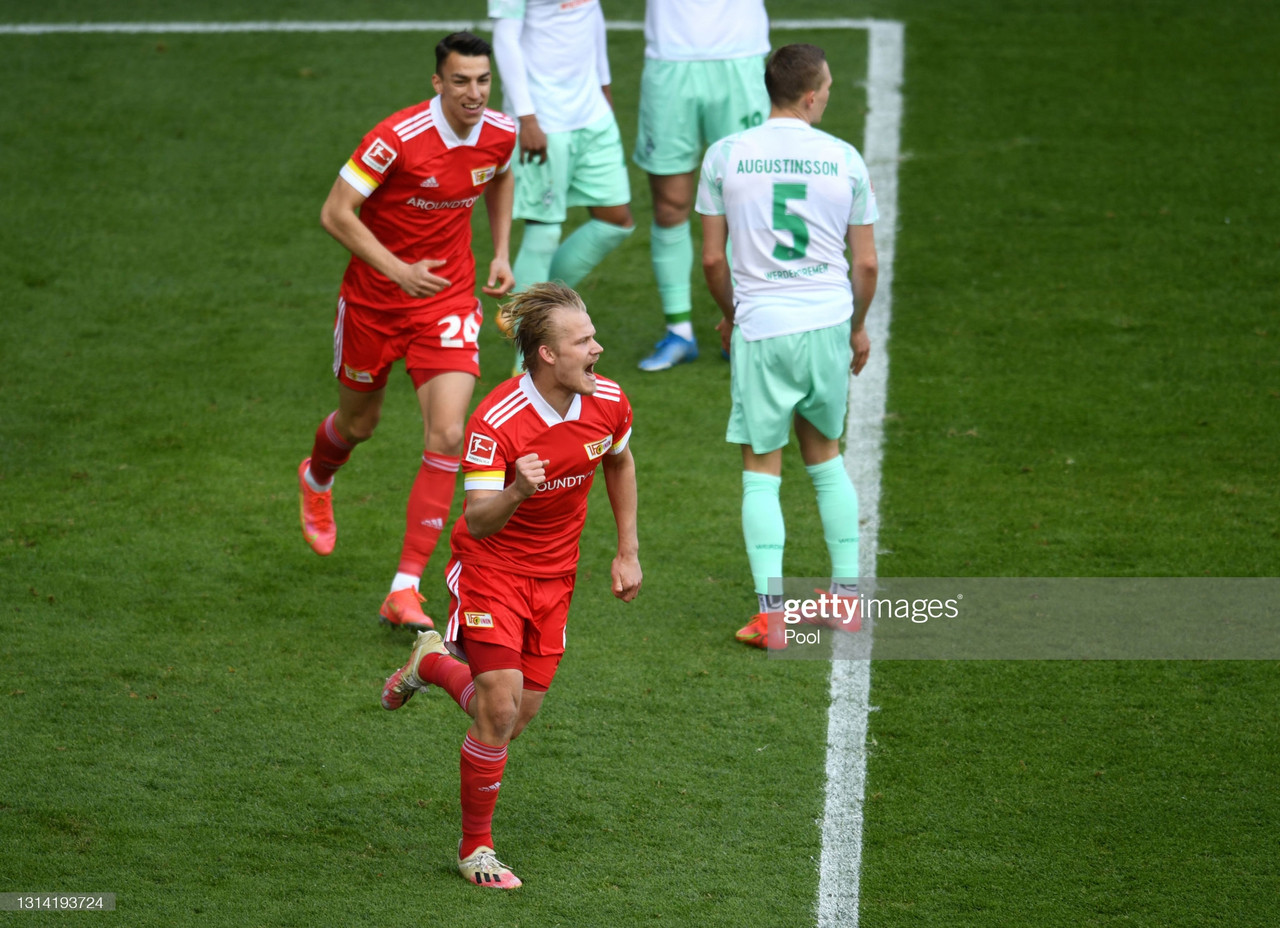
705	30
557	66
788	193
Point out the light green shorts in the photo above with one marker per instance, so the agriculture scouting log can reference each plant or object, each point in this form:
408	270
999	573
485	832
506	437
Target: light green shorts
687	105
584	167
774	379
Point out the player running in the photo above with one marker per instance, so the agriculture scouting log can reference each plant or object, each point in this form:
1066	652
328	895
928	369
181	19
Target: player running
533	446
402	206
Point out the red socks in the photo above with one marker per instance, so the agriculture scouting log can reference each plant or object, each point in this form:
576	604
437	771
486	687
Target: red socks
452	676
428	511
481	776
329	452
429	500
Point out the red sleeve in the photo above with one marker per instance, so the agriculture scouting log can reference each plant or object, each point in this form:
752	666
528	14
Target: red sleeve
622	428
484	458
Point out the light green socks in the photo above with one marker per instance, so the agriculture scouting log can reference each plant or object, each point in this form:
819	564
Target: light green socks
762	527
838	509
672	253
544	257
765	532
584	249
537	248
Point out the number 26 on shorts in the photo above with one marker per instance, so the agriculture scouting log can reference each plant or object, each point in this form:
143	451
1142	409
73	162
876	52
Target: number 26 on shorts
467	326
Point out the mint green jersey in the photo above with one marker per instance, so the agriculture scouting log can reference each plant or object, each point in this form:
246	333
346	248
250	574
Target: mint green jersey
789	193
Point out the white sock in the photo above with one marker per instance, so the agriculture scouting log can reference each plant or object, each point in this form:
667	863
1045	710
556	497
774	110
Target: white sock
404	581
769	603
316	487
683	329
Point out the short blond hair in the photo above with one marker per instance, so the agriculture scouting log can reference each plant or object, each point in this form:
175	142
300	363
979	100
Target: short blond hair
527	317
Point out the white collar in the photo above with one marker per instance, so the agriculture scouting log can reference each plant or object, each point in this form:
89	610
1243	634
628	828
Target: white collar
543	408
450	138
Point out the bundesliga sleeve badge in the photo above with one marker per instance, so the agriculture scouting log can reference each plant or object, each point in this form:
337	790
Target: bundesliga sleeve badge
481	449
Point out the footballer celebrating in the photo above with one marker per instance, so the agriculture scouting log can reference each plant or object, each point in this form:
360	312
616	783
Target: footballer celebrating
402	206
532	449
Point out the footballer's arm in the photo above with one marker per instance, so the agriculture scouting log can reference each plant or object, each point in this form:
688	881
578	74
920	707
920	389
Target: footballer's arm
620	481
864	271
715	268
499	198
515	84
602	57
341	219
488	511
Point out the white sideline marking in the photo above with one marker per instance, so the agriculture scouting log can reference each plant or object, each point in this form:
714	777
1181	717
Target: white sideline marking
846	767
840	870
371	25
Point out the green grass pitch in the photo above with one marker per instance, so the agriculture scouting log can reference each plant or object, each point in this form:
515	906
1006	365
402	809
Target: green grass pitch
1084	381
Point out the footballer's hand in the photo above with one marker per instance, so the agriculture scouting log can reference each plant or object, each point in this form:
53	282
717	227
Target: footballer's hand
626	577
725	328
501	279
418	281
530	472
860	342
533	141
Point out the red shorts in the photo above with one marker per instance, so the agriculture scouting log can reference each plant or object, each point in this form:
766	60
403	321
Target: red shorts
503	620
366	342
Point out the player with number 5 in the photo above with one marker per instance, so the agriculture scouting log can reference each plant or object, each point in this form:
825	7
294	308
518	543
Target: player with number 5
795	202
402	206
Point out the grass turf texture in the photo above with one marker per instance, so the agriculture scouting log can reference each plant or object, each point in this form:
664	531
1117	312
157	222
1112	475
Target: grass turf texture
1084	382
189	696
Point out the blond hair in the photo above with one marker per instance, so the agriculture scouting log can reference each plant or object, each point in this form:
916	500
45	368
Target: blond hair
527	317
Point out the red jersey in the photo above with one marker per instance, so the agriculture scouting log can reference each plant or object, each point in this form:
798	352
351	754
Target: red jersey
421	182
541	538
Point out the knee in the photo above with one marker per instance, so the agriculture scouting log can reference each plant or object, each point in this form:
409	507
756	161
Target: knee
497	720
617	216
445	439
357	428
668	213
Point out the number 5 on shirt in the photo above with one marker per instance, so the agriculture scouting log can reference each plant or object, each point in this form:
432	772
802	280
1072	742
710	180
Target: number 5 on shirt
789	222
